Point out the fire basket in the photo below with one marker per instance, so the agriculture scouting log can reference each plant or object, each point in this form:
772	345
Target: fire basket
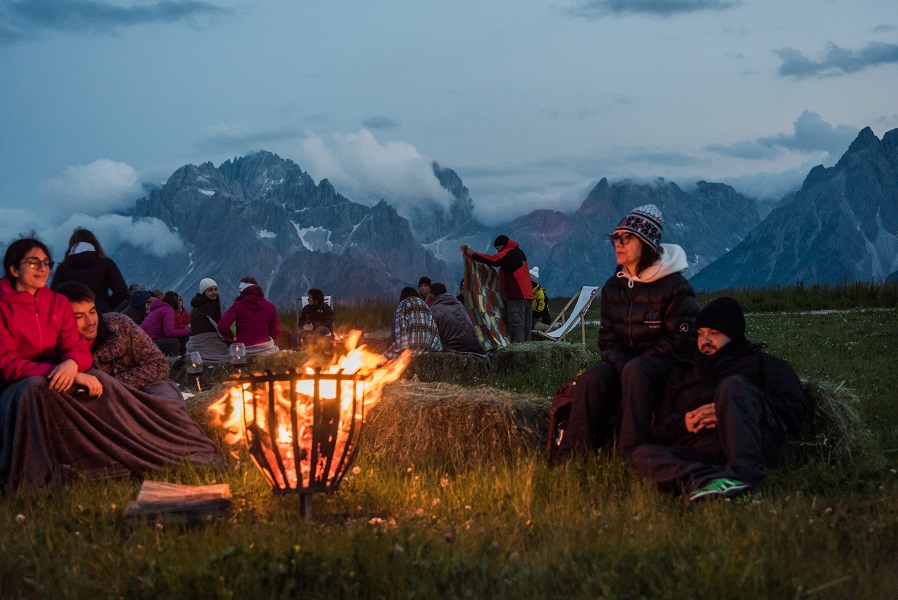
302	430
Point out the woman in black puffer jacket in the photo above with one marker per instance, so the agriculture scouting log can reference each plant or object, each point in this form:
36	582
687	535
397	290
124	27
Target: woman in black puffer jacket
87	263
204	318
648	314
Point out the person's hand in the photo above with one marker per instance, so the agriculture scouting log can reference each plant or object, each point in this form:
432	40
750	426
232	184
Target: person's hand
701	418
307	327
93	385
467	250
63	375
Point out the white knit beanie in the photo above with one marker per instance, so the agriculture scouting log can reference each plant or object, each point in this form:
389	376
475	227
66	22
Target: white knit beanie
534	274
206	284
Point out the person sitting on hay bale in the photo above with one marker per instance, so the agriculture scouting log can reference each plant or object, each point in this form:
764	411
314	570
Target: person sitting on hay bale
257	323
413	327
316	321
456	330
725	413
204	335
120	347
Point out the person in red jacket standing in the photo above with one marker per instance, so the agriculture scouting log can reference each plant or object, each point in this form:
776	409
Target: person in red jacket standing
512	264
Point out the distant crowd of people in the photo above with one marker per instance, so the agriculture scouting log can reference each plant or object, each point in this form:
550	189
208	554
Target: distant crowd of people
680	392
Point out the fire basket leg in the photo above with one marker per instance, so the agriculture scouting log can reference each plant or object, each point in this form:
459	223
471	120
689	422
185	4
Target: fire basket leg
305	506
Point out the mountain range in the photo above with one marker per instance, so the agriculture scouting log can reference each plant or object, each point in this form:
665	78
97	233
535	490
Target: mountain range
261	215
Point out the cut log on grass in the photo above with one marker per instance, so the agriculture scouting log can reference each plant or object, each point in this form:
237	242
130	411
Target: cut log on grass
175	504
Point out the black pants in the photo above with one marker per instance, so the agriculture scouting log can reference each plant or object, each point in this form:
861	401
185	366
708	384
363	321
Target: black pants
607	405
749	438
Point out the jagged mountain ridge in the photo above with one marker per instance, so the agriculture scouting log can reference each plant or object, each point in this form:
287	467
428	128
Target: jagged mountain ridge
842	226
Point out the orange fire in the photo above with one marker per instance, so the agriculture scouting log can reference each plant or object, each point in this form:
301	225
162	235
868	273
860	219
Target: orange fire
355	380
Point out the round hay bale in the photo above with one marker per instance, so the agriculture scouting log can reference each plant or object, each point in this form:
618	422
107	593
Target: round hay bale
834	431
540	356
450	367
453	425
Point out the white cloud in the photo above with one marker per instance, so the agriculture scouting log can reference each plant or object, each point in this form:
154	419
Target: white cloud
366	171
113	231
99	187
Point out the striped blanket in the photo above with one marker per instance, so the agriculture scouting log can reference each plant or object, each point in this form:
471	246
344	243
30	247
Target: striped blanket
485	301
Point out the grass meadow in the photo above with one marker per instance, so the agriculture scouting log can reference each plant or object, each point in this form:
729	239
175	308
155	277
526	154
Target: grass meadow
514	528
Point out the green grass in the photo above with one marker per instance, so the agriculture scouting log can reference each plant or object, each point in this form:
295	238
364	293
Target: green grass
515	529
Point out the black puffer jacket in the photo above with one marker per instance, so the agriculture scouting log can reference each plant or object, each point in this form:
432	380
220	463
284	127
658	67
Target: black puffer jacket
203	310
648	319
456	330
101	275
694	381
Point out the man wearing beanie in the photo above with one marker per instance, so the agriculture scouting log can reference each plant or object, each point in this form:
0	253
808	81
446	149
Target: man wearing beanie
725	413
512	264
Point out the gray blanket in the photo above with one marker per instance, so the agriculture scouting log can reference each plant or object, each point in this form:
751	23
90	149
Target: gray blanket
44	435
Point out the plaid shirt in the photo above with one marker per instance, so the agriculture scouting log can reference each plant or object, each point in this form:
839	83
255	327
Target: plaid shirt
413	329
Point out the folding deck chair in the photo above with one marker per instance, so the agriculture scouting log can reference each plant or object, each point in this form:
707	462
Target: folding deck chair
562	325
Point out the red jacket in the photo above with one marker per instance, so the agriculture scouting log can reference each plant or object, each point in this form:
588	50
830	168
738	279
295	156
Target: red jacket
37	333
182	319
256	318
512	265
160	321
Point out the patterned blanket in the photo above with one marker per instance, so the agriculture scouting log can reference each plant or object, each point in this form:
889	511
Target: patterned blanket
485	301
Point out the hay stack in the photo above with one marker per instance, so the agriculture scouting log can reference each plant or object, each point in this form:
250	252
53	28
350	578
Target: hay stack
453	425
834	432
448	367
541	356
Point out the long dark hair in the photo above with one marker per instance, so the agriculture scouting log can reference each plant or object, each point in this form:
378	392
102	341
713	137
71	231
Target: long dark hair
84	235
16	252
648	257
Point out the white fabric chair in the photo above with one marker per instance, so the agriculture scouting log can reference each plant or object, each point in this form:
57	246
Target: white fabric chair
562	325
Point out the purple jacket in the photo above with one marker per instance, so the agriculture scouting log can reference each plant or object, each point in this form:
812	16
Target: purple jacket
256	318
160	321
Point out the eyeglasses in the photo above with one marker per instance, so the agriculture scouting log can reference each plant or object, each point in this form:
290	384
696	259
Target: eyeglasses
36	264
620	239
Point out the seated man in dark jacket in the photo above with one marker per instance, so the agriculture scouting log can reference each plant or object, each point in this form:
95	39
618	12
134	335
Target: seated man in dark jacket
316	319
456	330
725	413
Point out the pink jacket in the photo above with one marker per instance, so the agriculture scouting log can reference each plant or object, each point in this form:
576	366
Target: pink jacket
256	318
160	321
37	333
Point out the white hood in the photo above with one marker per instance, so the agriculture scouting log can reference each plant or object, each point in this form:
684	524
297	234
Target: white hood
673	260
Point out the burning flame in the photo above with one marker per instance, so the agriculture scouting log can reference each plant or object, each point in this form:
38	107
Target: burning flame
243	412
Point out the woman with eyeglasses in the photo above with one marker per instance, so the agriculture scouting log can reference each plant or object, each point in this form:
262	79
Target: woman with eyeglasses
648	312
55	417
86	262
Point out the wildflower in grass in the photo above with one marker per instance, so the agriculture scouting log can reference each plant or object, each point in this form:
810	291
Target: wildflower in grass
448	537
419	512
20	518
435	501
356	470
444	481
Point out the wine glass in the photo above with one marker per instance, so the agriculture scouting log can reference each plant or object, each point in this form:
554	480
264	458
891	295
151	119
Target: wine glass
195	367
238	356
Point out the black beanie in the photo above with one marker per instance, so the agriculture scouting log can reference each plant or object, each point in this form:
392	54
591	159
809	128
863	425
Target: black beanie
424	280
502	240
725	315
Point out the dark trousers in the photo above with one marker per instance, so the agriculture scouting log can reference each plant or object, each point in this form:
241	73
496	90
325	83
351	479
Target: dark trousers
749	438
606	405
518	315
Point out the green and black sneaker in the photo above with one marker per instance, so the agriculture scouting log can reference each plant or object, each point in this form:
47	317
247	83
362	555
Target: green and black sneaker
721	486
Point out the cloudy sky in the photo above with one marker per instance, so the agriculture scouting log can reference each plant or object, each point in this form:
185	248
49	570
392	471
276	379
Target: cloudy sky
530	102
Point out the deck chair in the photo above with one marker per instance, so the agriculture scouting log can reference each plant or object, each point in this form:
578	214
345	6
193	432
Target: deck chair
562	325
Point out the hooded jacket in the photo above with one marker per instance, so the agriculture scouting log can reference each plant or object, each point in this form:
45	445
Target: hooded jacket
37	332
203	310
256	318
101	275
694	381
512	264
652	314
160	321
454	325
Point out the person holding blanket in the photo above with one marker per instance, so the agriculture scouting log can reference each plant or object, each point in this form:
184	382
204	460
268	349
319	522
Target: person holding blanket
512	264
647	314
56	418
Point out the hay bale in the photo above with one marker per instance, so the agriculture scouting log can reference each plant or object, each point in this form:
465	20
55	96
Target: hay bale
834	432
454	425
449	367
541	356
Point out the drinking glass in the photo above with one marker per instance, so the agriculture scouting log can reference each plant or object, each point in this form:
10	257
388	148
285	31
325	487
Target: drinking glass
238	356
195	367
